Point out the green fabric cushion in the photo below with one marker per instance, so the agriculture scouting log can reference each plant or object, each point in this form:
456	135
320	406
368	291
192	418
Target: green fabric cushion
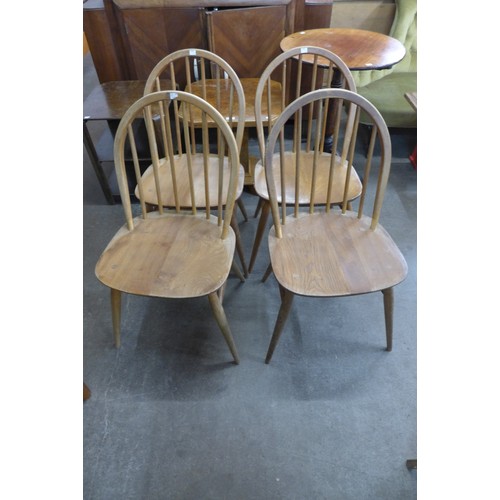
386	88
388	96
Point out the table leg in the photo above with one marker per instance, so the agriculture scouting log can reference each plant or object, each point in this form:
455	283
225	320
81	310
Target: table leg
101	177
333	108
246	159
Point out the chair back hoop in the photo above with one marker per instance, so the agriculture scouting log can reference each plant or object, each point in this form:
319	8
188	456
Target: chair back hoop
355	104
153	107
317	60
184	67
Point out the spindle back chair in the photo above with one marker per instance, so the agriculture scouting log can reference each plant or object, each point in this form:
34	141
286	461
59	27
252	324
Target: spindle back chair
211	78
179	251
317	249
314	68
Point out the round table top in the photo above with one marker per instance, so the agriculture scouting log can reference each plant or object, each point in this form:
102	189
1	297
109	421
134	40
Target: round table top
359	49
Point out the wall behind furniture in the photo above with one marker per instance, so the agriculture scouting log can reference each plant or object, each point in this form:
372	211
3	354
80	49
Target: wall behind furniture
371	15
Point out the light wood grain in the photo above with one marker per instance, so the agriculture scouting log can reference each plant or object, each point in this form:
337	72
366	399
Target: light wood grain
322	178
174	256
331	255
183	184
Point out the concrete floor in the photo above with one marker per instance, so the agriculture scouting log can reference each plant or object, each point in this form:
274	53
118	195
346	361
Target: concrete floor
170	416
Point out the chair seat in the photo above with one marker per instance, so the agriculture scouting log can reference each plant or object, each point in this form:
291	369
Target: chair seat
330	254
169	255
322	179
183	190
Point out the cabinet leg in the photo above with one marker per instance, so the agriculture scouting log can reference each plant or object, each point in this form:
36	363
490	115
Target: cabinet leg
101	177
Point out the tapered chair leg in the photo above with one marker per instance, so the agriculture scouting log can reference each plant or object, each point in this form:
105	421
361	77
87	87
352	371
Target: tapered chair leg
221	319
388	312
264	215
116	310
258	207
236	270
242	208
239	245
86	392
286	304
220	292
268	272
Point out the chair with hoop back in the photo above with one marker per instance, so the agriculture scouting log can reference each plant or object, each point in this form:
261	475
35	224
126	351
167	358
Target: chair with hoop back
320	250
179	252
313	67
208	76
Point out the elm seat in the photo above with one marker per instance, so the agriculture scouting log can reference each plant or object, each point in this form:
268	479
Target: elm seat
386	89
178	256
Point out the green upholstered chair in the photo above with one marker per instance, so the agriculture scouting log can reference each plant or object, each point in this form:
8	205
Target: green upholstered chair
386	88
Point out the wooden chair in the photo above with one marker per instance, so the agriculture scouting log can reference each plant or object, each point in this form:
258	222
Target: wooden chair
175	252
330	251
208	76
313	67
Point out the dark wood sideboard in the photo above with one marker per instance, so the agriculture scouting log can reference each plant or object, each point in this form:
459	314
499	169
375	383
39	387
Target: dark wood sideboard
128	37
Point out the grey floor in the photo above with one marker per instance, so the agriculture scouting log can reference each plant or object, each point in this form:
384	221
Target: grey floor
170	416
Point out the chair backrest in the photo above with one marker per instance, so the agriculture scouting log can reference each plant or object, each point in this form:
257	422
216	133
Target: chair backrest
175	139
205	74
353	142
314	68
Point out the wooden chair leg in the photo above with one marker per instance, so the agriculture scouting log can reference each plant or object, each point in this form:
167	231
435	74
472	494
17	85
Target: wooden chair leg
266	208
239	245
388	312
86	392
242	208
411	463
258	208
286	304
220	292
221	319
236	270
116	309
268	272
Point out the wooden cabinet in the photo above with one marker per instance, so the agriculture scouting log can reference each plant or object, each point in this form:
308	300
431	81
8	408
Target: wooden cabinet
128	37
249	38
151	34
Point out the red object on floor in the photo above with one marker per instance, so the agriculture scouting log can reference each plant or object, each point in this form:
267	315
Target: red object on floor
413	158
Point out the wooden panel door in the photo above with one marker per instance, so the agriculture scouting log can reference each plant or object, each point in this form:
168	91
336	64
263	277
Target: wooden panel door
151	34
101	35
249	38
